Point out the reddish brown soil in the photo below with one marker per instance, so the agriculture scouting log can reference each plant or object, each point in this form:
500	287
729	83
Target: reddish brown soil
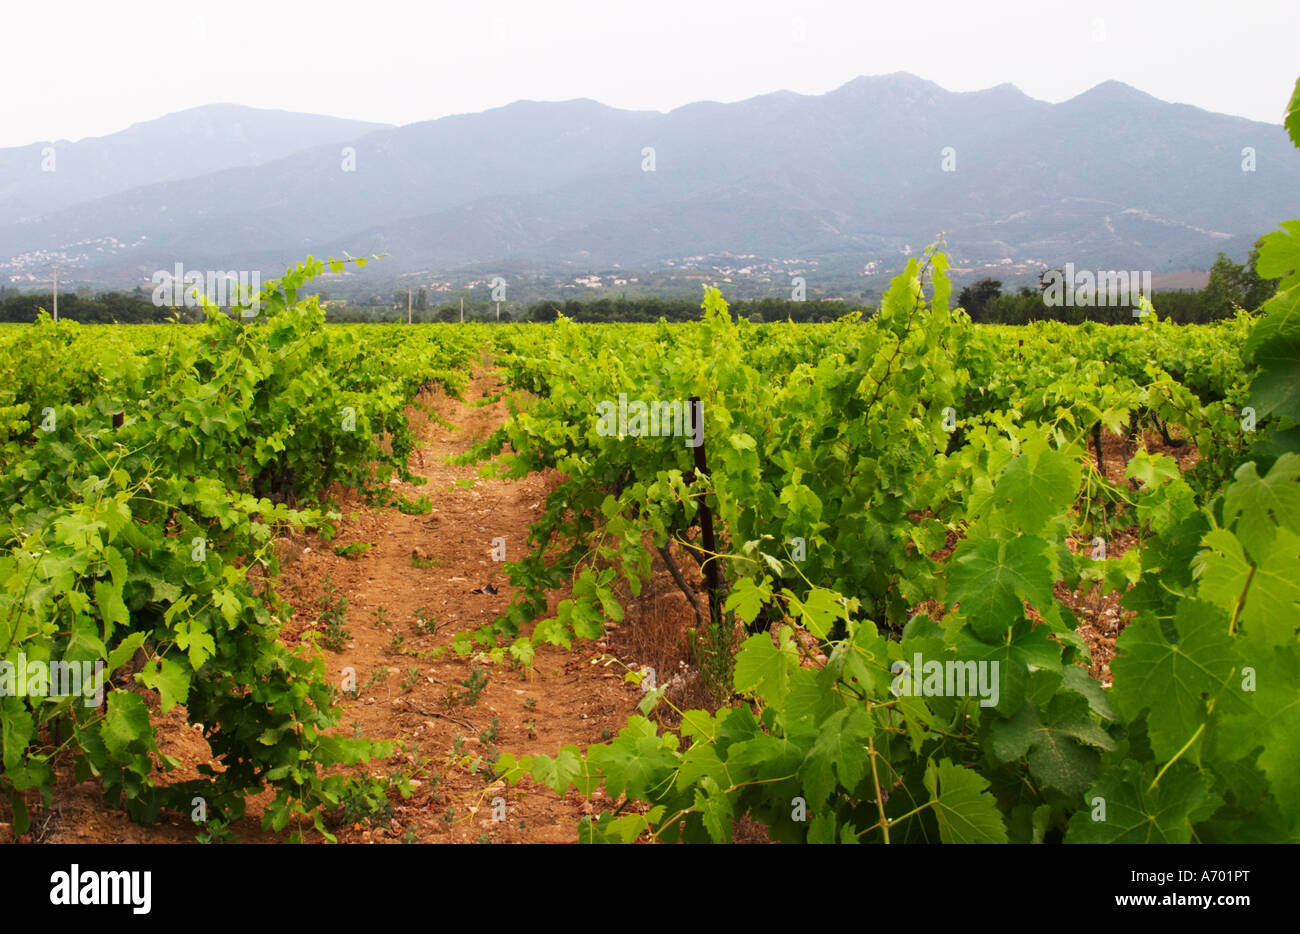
567	697
1101	618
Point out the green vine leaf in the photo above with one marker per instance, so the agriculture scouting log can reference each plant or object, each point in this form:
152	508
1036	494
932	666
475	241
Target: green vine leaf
1134	812
839	753
963	808
991	578
1060	742
1037	486
1173	680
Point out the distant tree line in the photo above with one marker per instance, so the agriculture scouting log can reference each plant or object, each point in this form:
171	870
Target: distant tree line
375	309
619	309
1231	285
103	308
651	308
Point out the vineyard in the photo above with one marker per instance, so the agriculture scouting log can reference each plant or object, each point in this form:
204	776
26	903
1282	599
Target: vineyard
883	535
917	488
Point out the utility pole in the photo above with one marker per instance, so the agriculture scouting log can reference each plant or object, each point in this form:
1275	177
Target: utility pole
408	304
462	309
56	293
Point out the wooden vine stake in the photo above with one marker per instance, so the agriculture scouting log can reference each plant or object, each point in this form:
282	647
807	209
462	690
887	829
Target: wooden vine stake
706	521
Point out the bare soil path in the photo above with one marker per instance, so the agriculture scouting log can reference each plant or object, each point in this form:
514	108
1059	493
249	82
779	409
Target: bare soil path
412	686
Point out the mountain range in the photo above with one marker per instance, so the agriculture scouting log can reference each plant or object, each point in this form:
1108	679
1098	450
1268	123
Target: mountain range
867	173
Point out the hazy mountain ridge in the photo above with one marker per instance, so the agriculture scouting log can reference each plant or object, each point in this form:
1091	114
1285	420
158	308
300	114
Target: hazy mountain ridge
186	144
1111	178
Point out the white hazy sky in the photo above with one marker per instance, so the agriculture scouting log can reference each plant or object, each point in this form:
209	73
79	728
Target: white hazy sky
74	69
